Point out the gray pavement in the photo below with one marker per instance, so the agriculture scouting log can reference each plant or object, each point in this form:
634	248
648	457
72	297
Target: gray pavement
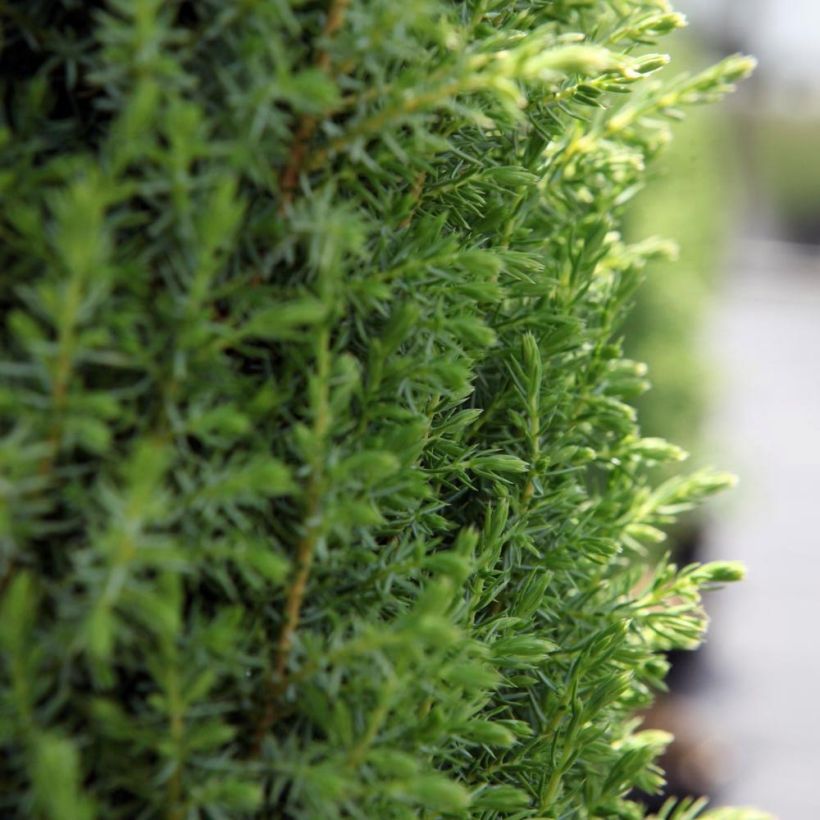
762	693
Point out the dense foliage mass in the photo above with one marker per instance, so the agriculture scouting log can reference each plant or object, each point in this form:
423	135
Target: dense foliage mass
322	494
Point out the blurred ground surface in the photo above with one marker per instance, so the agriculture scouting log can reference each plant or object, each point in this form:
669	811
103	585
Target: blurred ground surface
762	660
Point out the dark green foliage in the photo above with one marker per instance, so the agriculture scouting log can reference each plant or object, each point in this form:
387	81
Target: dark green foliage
322	494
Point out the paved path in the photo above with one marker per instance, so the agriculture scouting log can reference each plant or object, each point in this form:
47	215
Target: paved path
763	653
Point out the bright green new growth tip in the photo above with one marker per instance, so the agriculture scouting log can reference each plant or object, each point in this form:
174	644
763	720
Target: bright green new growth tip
321	493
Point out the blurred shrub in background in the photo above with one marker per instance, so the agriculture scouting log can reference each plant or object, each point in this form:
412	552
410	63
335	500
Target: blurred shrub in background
691	197
782	161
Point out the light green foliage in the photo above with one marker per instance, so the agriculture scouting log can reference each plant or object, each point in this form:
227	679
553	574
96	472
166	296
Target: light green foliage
322	492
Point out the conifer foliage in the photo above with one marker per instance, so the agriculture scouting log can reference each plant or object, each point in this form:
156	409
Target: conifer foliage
321	494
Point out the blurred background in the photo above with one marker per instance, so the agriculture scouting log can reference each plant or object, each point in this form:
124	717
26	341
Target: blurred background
732	336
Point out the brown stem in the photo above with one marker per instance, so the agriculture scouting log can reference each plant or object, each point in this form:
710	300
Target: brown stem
335	18
277	683
306	127
289	178
415	197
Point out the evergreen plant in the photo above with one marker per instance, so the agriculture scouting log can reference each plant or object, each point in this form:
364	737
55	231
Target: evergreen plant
322	495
